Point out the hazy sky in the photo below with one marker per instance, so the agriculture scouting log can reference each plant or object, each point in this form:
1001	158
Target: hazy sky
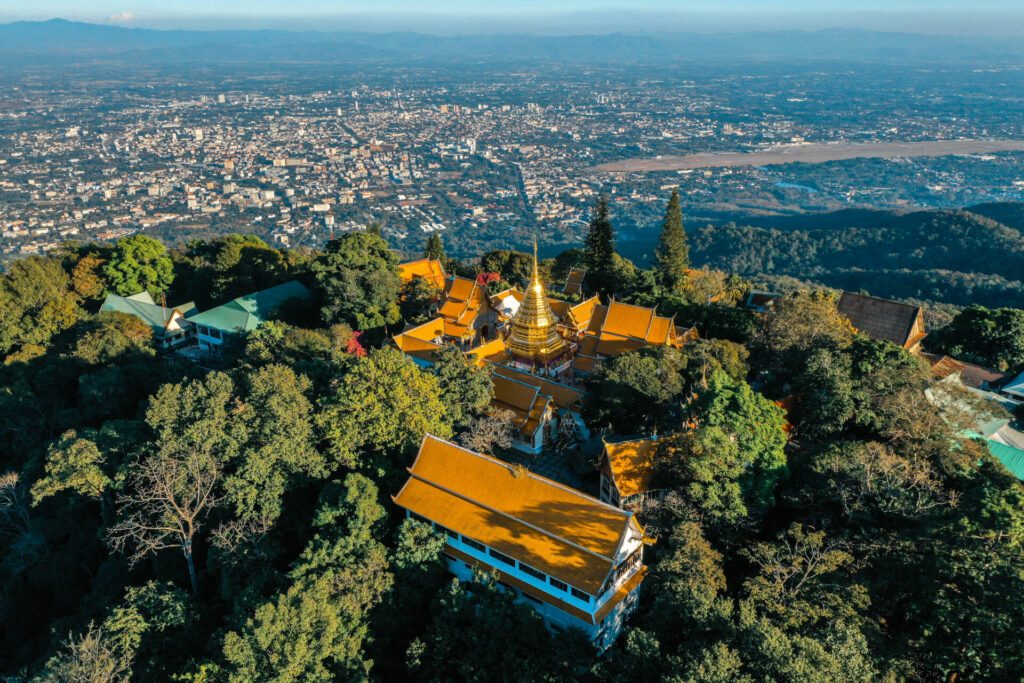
1004	17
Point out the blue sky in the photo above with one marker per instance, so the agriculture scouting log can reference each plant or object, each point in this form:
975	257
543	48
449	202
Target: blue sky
551	16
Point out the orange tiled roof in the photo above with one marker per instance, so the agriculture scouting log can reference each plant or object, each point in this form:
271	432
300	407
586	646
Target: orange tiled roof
627	320
452	309
584	311
563	396
660	331
560	308
490	352
584	363
430	270
460	288
597	319
614	345
546	525
528	404
576	275
419	341
631	464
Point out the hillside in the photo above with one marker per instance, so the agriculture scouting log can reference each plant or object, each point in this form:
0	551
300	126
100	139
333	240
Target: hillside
959	257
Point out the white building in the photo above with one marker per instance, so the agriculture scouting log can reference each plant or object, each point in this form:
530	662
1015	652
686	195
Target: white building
576	560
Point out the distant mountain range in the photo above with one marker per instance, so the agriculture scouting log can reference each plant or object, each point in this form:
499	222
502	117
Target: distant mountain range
61	41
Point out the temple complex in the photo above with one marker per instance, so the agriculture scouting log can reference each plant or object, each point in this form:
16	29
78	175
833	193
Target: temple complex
577	559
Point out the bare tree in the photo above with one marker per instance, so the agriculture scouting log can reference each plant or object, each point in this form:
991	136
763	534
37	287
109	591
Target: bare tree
92	658
168	498
490	431
13	505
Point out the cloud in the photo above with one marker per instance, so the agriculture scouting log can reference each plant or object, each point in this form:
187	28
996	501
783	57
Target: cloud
122	18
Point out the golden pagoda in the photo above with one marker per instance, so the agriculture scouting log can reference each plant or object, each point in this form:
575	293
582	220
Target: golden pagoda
533	334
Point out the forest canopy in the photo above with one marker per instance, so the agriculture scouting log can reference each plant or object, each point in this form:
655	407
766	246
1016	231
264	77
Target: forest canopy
821	517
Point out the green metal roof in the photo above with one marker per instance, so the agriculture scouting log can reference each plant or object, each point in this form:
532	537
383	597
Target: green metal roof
1012	458
141	305
247	312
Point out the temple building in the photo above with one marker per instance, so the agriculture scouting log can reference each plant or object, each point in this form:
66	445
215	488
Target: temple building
429	269
574	559
627	468
533	339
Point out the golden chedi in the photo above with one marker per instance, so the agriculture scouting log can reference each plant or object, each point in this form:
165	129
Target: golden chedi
533	337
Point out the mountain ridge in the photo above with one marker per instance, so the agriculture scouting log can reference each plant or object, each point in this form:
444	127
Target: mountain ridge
29	40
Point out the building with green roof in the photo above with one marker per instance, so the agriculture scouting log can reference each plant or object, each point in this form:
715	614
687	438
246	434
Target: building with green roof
244	314
171	329
1012	458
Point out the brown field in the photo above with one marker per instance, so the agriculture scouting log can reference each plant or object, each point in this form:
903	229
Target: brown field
812	154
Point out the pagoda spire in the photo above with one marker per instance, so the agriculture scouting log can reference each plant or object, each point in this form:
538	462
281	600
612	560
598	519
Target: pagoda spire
533	337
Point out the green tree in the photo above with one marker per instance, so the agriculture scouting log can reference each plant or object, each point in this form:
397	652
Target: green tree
435	248
139	263
470	619
172	490
800	322
600	249
244	264
123	647
672	255
317	628
277	421
758	427
416	300
318	354
358	279
638	391
513	266
87	278
35	303
382	408
705	468
687	590
979	335
74	464
467	388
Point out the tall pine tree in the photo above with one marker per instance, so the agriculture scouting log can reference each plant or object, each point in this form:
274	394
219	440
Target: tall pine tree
673	253
600	249
435	248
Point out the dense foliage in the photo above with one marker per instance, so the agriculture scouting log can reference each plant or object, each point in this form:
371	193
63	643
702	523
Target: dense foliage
163	520
958	257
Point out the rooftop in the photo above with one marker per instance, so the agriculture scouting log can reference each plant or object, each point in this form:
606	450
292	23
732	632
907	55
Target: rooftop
245	313
542	523
882	319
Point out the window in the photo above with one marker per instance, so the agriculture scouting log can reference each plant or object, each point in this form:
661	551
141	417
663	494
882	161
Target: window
203	329
473	544
501	557
527	569
216	334
576	593
558	584
448	532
